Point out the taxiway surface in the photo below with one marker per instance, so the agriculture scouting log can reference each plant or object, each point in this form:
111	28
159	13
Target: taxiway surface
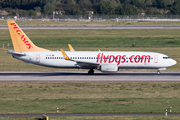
83	76
94	27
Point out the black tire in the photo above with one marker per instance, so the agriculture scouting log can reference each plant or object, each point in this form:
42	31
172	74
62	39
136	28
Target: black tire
91	72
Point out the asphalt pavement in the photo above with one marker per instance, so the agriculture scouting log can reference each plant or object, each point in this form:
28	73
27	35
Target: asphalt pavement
83	76
94	27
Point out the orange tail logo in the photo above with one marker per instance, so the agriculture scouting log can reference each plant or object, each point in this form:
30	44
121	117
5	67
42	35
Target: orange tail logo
18	31
20	41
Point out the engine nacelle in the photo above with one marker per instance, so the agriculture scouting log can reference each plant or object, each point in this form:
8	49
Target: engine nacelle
109	68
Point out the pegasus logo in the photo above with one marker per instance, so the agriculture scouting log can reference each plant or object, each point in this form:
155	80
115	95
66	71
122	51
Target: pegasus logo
23	38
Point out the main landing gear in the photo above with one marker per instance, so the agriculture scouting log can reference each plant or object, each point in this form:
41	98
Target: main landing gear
90	72
158	72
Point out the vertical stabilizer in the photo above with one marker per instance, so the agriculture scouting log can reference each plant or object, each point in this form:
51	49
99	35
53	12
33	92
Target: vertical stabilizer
20	41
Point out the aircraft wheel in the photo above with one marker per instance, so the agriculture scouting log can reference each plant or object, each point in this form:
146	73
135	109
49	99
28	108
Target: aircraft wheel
158	72
90	72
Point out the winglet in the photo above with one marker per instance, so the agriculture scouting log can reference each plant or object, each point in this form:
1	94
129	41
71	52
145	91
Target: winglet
71	48
64	55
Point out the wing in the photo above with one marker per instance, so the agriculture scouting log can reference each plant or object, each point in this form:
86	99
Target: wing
81	63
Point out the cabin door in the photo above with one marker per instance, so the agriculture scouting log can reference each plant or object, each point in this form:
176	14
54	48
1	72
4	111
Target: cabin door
38	58
155	58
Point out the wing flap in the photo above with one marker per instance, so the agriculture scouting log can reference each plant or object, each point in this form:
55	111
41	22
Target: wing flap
85	63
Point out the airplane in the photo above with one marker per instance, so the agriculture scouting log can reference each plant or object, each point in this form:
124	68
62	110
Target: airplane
105	61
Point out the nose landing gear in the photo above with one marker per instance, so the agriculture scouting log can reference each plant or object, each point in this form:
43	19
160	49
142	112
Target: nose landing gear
158	72
90	72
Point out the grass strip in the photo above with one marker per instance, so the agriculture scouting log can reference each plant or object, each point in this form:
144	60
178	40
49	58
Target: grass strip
97	118
82	23
89	97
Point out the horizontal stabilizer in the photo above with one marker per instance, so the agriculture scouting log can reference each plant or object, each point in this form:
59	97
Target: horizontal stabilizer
15	53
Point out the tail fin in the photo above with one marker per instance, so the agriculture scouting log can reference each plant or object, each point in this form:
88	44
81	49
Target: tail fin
20	41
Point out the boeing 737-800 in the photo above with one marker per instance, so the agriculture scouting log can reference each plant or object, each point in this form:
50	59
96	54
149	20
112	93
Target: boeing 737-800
105	61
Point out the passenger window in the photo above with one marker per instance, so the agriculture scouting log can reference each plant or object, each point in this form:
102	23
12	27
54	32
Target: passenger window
165	57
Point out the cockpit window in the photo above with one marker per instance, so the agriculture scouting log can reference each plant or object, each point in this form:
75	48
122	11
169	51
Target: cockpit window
165	57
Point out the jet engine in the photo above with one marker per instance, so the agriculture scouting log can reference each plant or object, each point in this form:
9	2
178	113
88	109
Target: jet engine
109	68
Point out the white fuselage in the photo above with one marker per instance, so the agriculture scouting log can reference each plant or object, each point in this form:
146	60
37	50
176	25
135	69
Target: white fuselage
123	59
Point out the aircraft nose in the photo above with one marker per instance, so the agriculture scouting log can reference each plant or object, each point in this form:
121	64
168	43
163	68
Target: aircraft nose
172	62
